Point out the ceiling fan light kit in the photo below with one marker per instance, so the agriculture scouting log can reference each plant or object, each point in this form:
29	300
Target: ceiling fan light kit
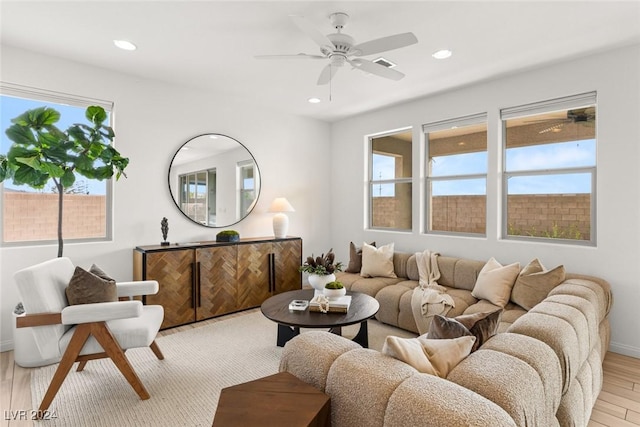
341	49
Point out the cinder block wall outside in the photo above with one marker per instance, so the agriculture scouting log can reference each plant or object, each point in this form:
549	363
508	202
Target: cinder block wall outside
543	215
34	216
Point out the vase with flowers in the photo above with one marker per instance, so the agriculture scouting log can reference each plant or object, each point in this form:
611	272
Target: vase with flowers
321	270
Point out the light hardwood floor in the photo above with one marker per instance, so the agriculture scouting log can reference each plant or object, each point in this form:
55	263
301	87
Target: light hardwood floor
617	405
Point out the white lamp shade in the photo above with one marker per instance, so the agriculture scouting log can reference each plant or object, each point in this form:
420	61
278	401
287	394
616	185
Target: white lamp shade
281	204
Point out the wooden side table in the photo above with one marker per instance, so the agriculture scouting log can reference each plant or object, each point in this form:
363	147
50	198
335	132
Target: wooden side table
277	400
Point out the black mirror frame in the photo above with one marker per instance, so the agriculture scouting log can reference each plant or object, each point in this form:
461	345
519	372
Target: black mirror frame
176	203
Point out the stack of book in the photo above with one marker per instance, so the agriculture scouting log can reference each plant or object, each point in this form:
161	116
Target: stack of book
338	305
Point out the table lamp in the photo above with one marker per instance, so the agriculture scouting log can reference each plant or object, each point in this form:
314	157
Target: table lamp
280	219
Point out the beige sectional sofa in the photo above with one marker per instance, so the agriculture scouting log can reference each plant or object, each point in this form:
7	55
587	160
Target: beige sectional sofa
542	368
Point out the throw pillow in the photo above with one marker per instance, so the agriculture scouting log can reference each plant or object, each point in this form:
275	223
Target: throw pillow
534	284
98	272
355	258
495	282
377	262
87	288
480	325
435	357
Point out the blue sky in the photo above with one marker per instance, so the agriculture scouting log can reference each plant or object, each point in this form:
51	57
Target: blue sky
11	107
539	157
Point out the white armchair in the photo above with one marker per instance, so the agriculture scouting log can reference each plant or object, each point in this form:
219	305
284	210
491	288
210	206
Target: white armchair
79	333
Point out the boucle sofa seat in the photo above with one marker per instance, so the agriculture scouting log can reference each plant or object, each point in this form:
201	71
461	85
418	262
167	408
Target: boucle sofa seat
543	368
458	275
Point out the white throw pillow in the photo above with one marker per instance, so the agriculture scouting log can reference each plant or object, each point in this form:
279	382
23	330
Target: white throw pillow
495	282
377	262
434	357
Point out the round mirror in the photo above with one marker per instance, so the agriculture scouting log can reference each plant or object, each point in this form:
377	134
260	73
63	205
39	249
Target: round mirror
214	180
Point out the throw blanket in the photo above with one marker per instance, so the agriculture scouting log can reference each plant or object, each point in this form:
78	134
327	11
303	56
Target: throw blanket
429	298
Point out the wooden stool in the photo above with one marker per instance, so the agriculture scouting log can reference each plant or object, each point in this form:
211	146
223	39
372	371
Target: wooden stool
277	400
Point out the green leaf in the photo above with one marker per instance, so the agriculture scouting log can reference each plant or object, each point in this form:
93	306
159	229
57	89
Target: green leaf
68	178
77	133
52	170
27	175
20	135
96	115
83	162
17	151
32	162
103	172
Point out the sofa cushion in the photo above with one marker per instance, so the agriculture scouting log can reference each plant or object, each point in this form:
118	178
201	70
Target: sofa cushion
495	282
534	284
355	258
377	262
458	273
480	325
98	272
87	288
435	357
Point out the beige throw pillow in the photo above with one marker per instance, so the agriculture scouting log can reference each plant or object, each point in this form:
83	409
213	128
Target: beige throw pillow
435	357
495	282
534	284
377	262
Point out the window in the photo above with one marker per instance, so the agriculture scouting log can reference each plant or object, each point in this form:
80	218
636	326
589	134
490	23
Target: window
550	169
247	187
31	216
390	181
457	175
194	200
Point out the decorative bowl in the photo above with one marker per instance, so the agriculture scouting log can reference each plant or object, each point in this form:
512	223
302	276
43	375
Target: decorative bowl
334	293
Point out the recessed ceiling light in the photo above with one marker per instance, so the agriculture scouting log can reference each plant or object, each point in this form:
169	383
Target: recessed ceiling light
313	100
125	45
442	54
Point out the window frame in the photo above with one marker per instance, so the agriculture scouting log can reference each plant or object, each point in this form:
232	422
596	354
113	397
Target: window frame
473	119
557	104
48	96
371	182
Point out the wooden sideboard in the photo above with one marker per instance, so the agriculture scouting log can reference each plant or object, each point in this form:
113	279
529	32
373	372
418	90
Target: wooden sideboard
206	279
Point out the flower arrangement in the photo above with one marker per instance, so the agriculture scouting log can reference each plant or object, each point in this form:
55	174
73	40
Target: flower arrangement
322	265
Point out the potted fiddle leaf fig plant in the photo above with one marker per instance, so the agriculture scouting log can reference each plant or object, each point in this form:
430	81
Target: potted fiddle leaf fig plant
41	152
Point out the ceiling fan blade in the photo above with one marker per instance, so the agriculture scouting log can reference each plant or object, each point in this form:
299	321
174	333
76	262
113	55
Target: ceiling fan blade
385	43
296	56
327	74
310	30
377	69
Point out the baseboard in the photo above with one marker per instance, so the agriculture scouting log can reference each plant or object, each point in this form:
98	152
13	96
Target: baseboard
6	345
627	350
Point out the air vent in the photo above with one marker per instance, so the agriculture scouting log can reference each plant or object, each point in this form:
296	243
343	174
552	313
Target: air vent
384	62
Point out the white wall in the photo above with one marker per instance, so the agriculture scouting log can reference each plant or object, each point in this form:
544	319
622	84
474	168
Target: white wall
152	120
616	78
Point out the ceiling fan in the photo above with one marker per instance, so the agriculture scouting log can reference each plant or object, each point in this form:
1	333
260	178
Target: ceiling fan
583	116
340	48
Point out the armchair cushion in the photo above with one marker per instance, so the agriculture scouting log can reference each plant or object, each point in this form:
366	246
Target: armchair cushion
133	289
98	272
99	312
87	288
129	333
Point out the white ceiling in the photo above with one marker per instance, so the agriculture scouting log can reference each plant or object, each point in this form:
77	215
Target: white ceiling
211	44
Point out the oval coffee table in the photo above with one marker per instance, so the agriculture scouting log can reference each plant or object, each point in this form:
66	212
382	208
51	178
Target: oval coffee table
289	322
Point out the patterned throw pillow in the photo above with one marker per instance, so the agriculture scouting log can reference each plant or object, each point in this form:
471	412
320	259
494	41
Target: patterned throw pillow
87	288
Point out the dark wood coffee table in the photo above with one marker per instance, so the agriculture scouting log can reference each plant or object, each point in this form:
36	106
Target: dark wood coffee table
273	401
289	322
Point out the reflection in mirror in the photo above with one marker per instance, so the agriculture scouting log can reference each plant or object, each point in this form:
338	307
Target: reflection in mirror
214	180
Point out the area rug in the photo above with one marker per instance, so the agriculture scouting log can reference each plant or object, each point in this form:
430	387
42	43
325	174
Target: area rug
185	386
